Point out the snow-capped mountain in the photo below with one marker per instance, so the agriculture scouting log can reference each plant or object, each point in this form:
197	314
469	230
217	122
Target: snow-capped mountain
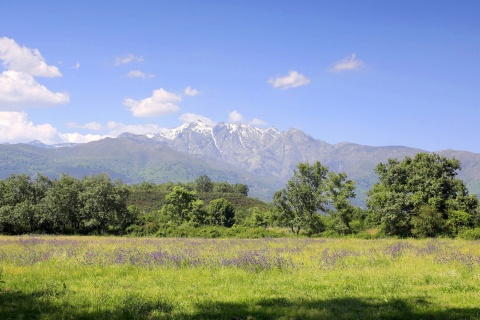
264	151
240	153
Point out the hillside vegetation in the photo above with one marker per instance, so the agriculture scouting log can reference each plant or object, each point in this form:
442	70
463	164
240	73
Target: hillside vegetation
415	197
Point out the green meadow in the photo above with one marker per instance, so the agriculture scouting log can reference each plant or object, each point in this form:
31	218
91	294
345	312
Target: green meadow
60	277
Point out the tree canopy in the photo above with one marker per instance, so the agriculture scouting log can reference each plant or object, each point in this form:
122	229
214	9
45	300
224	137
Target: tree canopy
313	190
413	194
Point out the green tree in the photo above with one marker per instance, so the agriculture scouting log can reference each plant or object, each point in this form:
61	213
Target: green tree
221	213
103	204
427	222
223	187
19	203
178	205
340	191
303	197
241	189
458	219
203	184
61	209
404	187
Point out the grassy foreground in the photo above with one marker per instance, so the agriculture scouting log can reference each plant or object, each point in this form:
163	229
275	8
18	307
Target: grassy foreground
145	278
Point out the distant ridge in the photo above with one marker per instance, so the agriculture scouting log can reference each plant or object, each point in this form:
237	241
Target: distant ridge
262	158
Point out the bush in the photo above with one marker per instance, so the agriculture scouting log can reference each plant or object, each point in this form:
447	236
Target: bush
470	234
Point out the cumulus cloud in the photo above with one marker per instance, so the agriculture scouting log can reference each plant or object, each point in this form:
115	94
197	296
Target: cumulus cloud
126	59
350	63
19	89
139	74
235	117
257	122
15	127
192	117
76	137
160	103
26	60
292	80
189	91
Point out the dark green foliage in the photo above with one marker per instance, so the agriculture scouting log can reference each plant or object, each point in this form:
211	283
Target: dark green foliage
340	191
311	191
470	234
203	184
94	204
61	206
428	222
412	195
220	213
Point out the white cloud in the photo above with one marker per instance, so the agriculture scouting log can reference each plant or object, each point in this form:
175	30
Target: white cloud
192	117
25	60
127	59
20	89
235	116
189	91
94	126
257	122
15	128
76	66
292	80
160	103
116	128
76	137
350	63
140	74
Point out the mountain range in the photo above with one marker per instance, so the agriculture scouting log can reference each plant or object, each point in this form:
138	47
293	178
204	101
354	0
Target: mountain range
264	159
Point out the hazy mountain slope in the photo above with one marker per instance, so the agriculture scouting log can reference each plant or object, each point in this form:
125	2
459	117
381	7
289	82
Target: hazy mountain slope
238	153
131	158
268	152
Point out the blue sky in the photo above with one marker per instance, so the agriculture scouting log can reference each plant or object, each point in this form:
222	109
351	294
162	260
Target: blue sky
369	72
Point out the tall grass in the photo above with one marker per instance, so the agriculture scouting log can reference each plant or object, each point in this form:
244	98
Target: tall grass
148	278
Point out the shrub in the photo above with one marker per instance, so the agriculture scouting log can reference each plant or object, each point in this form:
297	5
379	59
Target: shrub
470	234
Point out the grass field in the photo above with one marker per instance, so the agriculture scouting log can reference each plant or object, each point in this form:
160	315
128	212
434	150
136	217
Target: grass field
46	277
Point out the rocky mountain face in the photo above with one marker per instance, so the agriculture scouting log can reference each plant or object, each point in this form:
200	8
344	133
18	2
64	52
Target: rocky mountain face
269	152
238	153
262	151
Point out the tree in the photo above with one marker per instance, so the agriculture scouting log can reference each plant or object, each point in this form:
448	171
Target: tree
61	206
223	187
303	197
405	187
427	222
179	205
221	213
340	191
103	204
241	189
19	203
203	184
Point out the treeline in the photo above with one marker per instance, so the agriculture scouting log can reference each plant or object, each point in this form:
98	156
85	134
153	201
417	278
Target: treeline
98	205
92	205
415	197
